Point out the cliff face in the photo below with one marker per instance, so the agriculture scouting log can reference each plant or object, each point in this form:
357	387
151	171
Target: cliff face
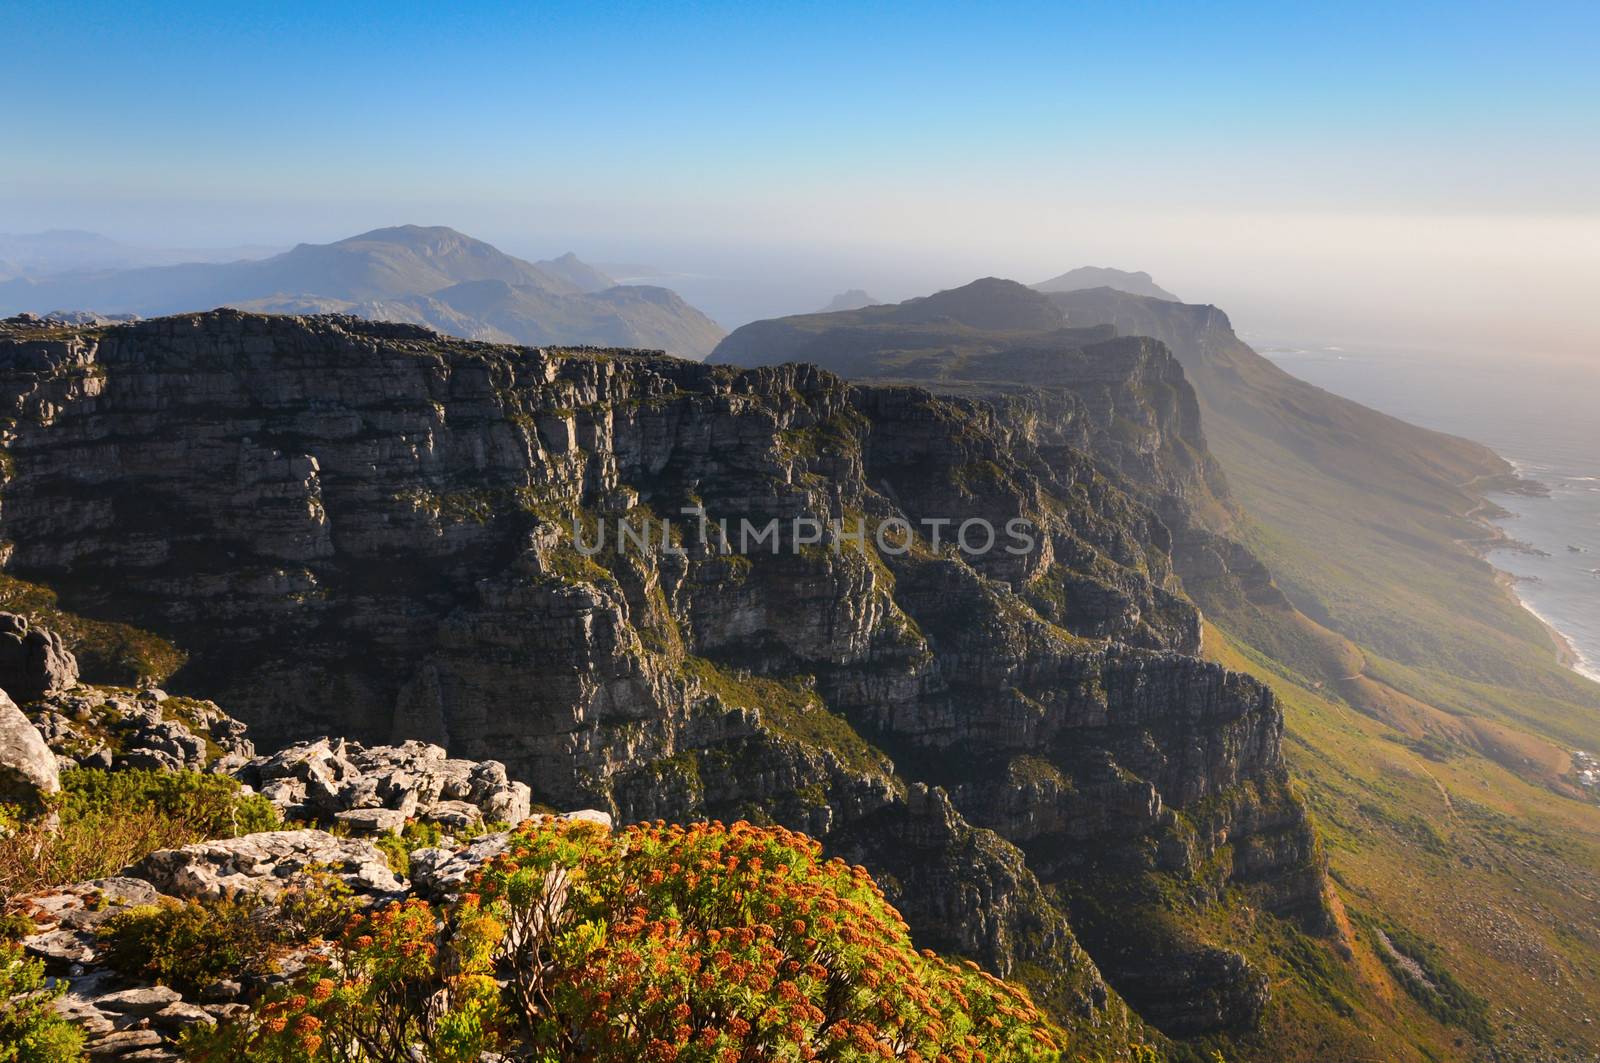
1072	370
370	530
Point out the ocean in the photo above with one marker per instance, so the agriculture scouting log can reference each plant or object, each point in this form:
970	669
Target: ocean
1541	415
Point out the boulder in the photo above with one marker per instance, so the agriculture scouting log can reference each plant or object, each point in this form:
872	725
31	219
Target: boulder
266	863
33	662
28	769
377	788
373	820
144	1000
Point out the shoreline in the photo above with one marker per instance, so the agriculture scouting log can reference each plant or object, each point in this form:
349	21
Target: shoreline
1567	654
1482	514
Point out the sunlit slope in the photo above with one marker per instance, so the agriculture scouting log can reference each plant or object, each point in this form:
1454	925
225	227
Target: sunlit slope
1366	523
1494	873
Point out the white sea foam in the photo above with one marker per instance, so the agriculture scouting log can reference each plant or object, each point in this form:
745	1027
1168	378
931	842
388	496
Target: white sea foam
1582	665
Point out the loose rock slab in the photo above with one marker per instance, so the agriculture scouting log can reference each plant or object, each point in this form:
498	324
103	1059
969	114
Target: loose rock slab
264	863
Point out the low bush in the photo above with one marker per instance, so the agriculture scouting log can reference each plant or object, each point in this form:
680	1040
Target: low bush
107	820
191	945
397	848
705	943
30	1029
188	946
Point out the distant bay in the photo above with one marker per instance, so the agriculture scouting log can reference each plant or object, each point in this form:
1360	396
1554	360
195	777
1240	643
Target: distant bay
1542	415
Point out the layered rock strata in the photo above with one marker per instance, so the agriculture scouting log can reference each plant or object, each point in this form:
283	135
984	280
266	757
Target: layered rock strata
369	530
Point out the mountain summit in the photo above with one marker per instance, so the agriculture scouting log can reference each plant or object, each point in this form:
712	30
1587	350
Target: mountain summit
428	275
854	299
1139	283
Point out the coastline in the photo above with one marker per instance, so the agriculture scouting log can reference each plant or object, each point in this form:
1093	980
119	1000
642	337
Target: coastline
1566	653
1483	514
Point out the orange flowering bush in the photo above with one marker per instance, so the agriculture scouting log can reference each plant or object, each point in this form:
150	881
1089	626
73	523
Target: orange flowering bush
701	944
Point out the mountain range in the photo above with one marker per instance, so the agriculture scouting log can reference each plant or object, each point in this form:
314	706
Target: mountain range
424	275
1247	753
1337	553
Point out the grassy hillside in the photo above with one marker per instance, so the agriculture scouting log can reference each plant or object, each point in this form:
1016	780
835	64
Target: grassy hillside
1492	877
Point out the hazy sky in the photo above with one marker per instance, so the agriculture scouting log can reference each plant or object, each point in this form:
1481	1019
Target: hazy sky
1428	174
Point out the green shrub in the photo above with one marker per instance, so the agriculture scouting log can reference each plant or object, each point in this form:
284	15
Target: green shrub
397	848
705	943
107	820
30	1029
211	805
188	946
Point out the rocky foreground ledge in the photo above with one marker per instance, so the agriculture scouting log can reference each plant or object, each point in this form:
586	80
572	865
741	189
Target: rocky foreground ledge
125	1019
358	793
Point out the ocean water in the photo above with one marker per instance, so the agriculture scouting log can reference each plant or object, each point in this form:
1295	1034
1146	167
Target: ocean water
1542	415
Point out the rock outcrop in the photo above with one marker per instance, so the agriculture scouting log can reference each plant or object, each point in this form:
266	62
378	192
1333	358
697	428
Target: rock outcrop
28	771
97	727
264	863
125	1018
33	662
369	530
377	789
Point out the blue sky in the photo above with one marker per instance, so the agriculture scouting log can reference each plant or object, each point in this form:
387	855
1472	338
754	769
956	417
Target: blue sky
879	136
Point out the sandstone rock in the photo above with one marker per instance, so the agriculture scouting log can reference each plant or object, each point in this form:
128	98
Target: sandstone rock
85	905
439	874
373	820
28	770
77	1004
145	1000
264	863
453	815
377	788
61	950
177	1015
222	991
128	1044
33	662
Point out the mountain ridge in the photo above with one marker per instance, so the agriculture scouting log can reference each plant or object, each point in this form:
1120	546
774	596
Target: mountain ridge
400	273
1134	283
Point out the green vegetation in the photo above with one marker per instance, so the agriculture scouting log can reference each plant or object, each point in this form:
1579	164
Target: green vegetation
397	847
705	943
1419	967
108	820
1487	871
793	710
30	1029
107	652
189	946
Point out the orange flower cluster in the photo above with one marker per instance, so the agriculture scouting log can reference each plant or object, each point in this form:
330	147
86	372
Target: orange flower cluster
707	943
737	942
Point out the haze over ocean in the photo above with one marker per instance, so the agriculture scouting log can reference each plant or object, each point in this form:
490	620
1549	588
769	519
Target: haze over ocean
1538	414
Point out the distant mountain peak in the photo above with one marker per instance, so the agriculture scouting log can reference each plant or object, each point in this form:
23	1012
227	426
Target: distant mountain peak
1084	277
576	272
853	299
986	303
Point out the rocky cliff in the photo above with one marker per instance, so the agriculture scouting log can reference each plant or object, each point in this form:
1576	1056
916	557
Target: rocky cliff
370	530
